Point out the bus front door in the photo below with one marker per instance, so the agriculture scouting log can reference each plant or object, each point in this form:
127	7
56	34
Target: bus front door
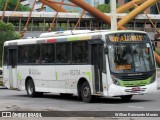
97	62
13	68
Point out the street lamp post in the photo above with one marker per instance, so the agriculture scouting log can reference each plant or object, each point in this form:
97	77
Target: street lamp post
113	15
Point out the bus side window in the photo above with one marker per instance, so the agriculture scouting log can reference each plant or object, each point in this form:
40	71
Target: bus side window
34	54
48	53
22	55
63	53
79	52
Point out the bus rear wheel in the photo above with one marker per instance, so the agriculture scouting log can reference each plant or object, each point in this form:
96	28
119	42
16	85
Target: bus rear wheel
31	89
126	97
86	92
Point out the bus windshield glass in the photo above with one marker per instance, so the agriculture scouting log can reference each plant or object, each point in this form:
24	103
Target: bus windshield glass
131	56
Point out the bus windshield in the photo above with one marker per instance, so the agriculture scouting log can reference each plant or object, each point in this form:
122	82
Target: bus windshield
130	53
131	58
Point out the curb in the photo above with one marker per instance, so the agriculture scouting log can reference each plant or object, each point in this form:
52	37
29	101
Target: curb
2	87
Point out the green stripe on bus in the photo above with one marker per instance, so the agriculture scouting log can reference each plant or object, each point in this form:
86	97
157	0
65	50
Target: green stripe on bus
135	82
56	75
72	38
89	75
79	38
19	76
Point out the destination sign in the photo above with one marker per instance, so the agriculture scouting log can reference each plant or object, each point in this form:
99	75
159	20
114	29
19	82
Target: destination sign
126	37
123	67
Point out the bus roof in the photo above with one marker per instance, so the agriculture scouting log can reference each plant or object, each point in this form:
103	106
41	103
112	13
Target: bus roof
64	33
52	37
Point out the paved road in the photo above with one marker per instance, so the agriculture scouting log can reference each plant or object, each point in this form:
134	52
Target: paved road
18	101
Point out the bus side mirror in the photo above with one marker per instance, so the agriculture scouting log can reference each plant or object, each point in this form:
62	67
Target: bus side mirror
106	50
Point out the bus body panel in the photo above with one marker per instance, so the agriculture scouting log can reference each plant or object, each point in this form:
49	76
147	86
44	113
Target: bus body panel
52	78
13	78
115	90
6	77
64	78
43	76
158	77
105	84
72	74
10	78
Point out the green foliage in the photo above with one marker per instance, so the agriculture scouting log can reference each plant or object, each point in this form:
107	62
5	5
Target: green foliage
157	51
104	8
11	6
72	11
7	32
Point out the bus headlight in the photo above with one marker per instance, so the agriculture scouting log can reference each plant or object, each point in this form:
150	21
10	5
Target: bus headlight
115	80
153	78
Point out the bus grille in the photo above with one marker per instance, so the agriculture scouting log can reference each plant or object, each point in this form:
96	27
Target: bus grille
137	77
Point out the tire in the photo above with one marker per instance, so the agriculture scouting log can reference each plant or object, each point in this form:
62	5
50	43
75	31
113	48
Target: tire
126	97
31	89
86	92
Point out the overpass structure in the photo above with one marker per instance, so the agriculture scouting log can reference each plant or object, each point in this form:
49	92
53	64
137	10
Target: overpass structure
41	21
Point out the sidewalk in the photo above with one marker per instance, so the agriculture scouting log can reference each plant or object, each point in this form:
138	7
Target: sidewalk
2	87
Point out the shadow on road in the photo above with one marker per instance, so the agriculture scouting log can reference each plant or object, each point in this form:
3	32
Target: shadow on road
101	100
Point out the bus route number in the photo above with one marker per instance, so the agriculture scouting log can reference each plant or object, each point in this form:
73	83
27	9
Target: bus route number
75	72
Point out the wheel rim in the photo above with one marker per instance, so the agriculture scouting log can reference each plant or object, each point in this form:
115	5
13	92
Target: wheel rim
86	91
30	89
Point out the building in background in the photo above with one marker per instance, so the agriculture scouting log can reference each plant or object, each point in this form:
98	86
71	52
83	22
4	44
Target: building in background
151	10
97	2
38	5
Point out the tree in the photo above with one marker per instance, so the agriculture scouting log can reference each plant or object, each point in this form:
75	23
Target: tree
104	8
7	32
11	6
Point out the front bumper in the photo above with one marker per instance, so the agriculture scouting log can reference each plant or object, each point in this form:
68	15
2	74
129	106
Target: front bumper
115	90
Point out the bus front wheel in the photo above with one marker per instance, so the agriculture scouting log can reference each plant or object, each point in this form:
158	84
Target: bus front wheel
126	97
86	92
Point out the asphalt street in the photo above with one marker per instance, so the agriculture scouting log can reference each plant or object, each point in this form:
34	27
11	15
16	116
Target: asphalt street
11	100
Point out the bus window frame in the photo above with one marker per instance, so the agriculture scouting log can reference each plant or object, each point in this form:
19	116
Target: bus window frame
61	63
18	55
28	54
88	56
51	63
3	57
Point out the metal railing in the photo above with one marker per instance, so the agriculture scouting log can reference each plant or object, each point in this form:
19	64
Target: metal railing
45	28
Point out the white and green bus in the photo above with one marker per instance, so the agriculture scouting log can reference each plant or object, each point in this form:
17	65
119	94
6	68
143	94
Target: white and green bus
83	63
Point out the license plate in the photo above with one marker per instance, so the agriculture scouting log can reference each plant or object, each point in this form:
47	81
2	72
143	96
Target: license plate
136	89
